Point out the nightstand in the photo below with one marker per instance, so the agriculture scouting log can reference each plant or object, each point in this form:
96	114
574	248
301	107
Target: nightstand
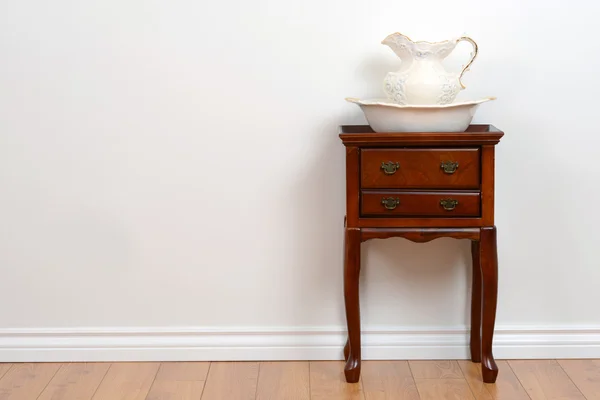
422	186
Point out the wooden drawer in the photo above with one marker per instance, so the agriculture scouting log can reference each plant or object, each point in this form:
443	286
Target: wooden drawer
420	203
420	168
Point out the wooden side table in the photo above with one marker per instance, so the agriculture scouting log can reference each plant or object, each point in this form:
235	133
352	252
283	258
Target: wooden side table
423	186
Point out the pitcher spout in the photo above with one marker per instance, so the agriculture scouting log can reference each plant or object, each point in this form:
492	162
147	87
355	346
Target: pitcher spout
396	38
399	43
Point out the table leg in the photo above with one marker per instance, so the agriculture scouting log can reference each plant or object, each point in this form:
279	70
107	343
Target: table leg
476	305
351	275
347	349
489	271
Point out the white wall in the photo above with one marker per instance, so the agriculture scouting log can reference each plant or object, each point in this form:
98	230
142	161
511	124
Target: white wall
176	164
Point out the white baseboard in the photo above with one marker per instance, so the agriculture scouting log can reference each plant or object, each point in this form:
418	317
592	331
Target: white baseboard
227	344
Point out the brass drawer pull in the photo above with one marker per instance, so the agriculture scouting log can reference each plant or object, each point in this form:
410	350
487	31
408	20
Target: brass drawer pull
449	204
449	167
390	167
390	203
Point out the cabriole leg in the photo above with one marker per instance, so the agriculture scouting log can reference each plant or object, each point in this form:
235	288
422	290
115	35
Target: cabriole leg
489	271
351	275
476	305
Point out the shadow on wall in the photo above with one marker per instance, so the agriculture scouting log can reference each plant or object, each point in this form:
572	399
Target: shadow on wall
416	284
402	283
316	227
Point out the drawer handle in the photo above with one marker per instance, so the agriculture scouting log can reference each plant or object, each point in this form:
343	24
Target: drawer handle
449	204
390	167
390	203
449	167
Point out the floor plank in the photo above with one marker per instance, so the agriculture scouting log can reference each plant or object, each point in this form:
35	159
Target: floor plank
388	380
127	381
545	380
179	381
435	369
283	381
444	389
507	386
76	381
4	367
380	380
231	380
176	390
327	382
472	373
183	371
27	380
586	376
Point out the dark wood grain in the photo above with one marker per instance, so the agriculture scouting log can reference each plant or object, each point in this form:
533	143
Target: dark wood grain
488	260
351	299
422	204
487	185
413	162
476	305
363	136
415	222
347	345
420	168
352	185
419	235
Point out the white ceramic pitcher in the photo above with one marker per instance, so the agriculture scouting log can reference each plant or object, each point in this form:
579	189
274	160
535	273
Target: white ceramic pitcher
422	79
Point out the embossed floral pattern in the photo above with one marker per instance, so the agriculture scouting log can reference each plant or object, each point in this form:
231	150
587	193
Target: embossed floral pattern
449	92
393	85
423	54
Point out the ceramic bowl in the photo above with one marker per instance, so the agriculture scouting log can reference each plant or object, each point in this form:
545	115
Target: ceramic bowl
384	116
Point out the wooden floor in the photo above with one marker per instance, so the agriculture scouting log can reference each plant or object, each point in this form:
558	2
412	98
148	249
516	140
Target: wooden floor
322	380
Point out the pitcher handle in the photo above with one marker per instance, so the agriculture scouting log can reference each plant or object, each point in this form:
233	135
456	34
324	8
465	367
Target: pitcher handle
473	55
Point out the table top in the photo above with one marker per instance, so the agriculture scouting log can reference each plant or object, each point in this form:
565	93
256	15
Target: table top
363	135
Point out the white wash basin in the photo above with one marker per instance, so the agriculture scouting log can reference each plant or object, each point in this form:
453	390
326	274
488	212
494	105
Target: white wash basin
385	116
